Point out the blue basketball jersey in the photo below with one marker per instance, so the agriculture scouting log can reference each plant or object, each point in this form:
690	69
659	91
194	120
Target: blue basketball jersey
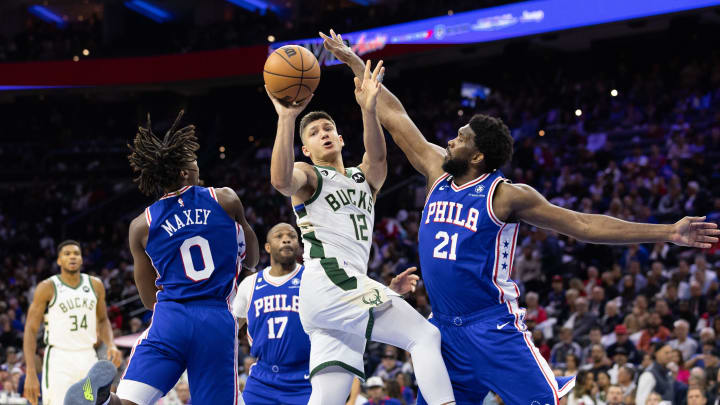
194	245
274	327
466	252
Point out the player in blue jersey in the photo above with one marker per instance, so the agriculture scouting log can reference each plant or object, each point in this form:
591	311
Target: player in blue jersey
268	301
467	241
187	250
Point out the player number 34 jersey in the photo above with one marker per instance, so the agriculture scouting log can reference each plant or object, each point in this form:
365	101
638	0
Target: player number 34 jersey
71	318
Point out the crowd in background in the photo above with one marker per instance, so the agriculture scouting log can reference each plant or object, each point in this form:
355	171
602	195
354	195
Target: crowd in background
639	320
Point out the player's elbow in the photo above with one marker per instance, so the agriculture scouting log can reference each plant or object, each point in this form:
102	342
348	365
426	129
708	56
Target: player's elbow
283	186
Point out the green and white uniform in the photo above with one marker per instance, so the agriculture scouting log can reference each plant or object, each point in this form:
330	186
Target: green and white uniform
337	298
70	336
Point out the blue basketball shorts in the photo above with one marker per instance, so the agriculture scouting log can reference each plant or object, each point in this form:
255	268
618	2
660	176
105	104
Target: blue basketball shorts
200	336
277	385
492	350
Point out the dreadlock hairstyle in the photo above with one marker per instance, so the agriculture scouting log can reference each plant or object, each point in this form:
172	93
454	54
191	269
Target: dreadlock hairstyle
159	161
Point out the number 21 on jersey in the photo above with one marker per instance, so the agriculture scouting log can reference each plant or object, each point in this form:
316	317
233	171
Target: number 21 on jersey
440	251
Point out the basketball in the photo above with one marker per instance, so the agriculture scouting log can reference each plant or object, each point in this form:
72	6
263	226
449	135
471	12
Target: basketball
291	73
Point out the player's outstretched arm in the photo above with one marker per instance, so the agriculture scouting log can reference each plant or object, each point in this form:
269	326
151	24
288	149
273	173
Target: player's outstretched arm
374	163
44	293
523	202
103	322
287	176
426	158
231	203
143	272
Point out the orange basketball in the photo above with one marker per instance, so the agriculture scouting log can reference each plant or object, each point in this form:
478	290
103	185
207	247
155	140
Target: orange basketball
291	73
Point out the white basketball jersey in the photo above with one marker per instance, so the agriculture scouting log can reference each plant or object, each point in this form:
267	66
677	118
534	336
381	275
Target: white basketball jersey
337	221
71	319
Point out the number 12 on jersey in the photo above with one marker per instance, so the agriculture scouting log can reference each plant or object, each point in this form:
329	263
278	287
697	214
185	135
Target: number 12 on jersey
440	252
360	224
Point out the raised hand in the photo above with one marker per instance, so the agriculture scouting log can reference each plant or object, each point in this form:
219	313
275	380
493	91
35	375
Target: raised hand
337	47
284	109
695	232
405	282
366	91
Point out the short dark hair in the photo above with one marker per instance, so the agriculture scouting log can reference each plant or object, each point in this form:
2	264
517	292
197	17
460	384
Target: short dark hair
158	161
492	139
312	117
67	243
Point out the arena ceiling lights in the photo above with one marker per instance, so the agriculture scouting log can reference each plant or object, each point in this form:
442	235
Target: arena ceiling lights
47	15
254	5
149	10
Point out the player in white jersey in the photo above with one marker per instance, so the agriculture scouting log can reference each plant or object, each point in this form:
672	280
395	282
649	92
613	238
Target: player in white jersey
340	306
76	312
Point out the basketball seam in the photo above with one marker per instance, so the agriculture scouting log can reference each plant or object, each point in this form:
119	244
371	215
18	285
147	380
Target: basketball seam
296	84
288	62
292	77
311	66
302	66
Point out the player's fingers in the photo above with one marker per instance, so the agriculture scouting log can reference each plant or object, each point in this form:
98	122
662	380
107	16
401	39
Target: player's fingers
357	83
272	98
376	72
323	36
414	278
366	74
306	101
339	38
408	271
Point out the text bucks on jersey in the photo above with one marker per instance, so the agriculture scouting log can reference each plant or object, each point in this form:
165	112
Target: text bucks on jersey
71	315
337	221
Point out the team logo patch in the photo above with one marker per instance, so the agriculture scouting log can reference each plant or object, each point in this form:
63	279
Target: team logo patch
259	279
479	189
295	281
358	177
325	172
86	289
372	298
181	202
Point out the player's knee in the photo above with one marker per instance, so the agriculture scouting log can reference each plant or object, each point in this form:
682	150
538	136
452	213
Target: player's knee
429	336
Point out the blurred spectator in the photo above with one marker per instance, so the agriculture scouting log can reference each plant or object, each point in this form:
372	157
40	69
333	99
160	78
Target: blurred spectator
614	396
654	332
565	346
687	345
657	378
580	320
389	366
376	393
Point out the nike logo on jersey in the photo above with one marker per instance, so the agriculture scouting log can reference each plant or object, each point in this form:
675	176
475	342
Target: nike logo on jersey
306	376
502	326
442	188
257	287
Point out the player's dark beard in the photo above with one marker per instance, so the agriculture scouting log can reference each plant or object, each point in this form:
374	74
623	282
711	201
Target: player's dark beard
456	167
284	261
